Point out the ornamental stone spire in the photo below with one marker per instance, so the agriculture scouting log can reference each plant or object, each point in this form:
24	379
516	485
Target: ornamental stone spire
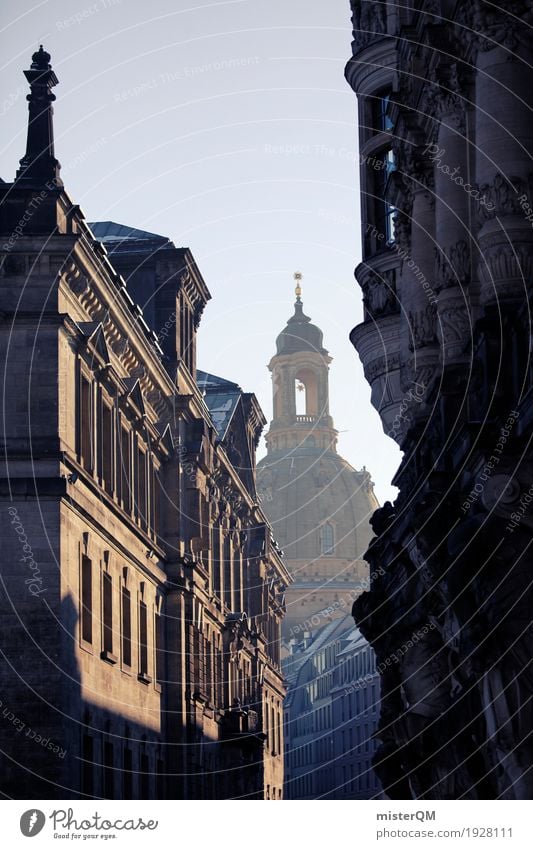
39	165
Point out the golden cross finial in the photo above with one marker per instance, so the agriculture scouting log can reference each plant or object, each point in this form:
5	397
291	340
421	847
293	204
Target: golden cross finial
298	277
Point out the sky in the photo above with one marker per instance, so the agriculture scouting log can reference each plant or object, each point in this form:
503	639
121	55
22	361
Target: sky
228	127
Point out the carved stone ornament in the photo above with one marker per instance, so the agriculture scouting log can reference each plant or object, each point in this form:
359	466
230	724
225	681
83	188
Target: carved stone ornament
506	195
379	293
369	21
452	265
422	327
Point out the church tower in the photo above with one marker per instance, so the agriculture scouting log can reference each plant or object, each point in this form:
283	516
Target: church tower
318	504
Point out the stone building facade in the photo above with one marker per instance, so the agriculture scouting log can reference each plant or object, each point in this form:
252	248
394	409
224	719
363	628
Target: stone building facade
445	94
331	714
318	504
142	597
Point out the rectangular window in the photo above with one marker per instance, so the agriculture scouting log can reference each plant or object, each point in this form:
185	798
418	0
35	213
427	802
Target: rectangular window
107	448
125	469
143	640
126	627
141	487
144	776
87	765
109	772
107	613
159	654
160	779
86	425
86	599
227	571
127	773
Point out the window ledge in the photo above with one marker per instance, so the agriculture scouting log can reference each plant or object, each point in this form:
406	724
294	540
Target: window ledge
144	678
109	657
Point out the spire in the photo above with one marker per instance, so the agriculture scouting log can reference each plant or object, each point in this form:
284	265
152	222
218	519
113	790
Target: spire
298	291
39	165
298	305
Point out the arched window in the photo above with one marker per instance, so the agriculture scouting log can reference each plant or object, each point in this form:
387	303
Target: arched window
301	399
328	540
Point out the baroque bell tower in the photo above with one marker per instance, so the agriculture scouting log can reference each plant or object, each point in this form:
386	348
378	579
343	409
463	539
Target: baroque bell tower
300	386
317	503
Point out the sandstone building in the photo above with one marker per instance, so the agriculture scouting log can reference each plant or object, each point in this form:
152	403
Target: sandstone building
319	506
142	596
445	94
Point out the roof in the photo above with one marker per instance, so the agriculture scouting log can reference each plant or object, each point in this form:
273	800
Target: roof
121	237
300	334
221	398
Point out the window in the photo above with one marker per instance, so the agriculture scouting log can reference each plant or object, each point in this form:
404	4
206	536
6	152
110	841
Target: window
144	776
141	487
381	121
106	448
160	779
328	543
107	615
109	772
87	765
300	393
127	773
159	654
125	469
86	599
143	641
227	571
86	425
126	627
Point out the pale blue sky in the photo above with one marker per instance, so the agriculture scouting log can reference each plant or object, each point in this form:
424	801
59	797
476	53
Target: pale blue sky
228	127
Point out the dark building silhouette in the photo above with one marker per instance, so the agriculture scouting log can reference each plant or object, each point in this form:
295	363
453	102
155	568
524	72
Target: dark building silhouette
445	94
141	593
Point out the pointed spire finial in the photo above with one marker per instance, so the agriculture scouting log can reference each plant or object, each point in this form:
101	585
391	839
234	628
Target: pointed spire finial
39	165
298	276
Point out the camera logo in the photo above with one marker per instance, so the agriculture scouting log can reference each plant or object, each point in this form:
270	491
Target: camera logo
32	822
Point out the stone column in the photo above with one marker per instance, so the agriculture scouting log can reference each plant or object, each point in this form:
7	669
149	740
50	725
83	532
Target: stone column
453	208
504	170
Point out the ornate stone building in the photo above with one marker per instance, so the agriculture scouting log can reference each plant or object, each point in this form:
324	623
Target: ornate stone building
445	93
142	596
319	506
331	713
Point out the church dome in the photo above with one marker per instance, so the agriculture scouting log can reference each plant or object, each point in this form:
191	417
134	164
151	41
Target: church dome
300	334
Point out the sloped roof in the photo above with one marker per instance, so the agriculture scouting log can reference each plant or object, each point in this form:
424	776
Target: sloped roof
114	235
221	398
